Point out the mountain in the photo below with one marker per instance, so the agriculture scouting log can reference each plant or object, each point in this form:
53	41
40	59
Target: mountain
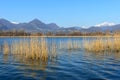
38	26
53	26
32	26
106	26
5	24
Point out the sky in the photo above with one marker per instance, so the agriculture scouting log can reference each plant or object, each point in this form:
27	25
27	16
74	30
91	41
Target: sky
65	13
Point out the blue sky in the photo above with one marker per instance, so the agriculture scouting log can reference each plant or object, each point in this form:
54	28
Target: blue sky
65	13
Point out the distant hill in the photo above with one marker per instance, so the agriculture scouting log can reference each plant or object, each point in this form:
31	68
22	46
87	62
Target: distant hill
39	26
32	26
105	28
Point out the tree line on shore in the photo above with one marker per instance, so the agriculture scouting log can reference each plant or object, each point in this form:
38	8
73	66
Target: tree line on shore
60	33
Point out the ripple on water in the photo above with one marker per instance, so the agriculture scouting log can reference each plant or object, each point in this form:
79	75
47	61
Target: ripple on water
69	65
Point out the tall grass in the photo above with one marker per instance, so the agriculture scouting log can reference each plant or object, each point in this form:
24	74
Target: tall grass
6	48
31	49
54	50
102	44
70	44
40	49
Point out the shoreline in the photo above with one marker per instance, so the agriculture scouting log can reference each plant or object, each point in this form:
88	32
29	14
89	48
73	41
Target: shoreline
52	36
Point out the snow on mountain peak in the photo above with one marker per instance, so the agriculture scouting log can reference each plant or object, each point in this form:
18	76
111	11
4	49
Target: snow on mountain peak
105	24
15	22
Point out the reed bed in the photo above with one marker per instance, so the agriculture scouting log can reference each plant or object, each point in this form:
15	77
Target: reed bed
38	48
31	49
70	44
54	50
6	48
102	44
41	49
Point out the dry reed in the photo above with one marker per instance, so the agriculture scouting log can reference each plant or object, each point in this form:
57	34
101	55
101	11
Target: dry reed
102	44
70	44
32	49
6	49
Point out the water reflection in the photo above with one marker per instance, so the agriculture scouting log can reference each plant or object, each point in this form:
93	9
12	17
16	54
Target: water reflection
31	64
103	55
72	63
34	68
5	58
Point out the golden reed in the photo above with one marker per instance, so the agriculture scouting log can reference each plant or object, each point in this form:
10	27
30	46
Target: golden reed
102	44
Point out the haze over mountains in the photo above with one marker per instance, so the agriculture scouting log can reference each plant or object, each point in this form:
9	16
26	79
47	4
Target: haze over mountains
39	26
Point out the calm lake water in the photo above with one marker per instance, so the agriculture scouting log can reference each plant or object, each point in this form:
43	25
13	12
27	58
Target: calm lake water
68	65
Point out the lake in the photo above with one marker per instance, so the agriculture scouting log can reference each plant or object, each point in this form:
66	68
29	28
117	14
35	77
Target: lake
69	64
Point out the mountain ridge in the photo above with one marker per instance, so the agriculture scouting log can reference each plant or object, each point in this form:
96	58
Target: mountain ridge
36	25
